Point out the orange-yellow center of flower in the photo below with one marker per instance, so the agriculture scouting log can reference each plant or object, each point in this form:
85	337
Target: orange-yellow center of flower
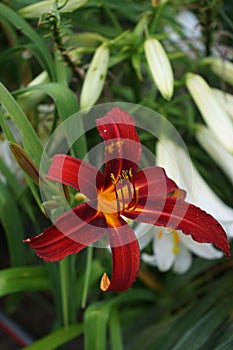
119	195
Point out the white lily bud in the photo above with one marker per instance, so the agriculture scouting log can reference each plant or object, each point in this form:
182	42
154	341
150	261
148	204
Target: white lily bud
95	77
222	68
160	67
226	101
219	154
41	7
214	115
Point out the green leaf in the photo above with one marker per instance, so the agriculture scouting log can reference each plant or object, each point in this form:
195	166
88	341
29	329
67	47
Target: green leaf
30	139
67	105
115	330
98	314
95	325
202	331
57	338
11	221
23	278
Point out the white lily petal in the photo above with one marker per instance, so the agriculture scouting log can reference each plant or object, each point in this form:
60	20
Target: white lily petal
203	250
225	99
144	234
214	115
149	259
219	154
178	166
163	249
183	261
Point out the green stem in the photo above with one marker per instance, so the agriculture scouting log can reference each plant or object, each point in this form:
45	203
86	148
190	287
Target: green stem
64	279
111	16
156	17
87	276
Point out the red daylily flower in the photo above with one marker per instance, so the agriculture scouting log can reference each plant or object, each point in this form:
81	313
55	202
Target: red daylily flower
122	190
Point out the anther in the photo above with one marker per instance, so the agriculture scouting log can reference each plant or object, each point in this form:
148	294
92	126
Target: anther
112	177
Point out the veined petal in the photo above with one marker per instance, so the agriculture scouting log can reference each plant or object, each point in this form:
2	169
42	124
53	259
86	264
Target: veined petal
76	173
122	144
153	181
71	232
180	215
126	258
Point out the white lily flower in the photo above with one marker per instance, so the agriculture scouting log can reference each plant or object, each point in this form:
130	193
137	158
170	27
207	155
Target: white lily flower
171	248
174	249
214	115
219	154
226	101
179	167
160	67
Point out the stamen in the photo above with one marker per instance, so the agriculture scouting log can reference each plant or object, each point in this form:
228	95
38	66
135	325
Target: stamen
112	177
125	180
176	242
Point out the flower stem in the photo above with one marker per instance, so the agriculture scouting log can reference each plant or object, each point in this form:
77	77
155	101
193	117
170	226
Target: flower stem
158	11
87	276
64	278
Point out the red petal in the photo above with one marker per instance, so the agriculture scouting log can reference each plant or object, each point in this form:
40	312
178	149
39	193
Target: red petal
71	232
126	258
76	173
180	215
122	144
153	181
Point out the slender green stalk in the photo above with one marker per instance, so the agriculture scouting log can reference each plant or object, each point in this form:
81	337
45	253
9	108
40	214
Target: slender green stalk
64	278
156	17
112	18
87	276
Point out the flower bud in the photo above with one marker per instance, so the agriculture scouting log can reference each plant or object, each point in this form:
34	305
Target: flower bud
226	101
160	67
25	162
219	154
214	115
95	77
41	7
222	68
